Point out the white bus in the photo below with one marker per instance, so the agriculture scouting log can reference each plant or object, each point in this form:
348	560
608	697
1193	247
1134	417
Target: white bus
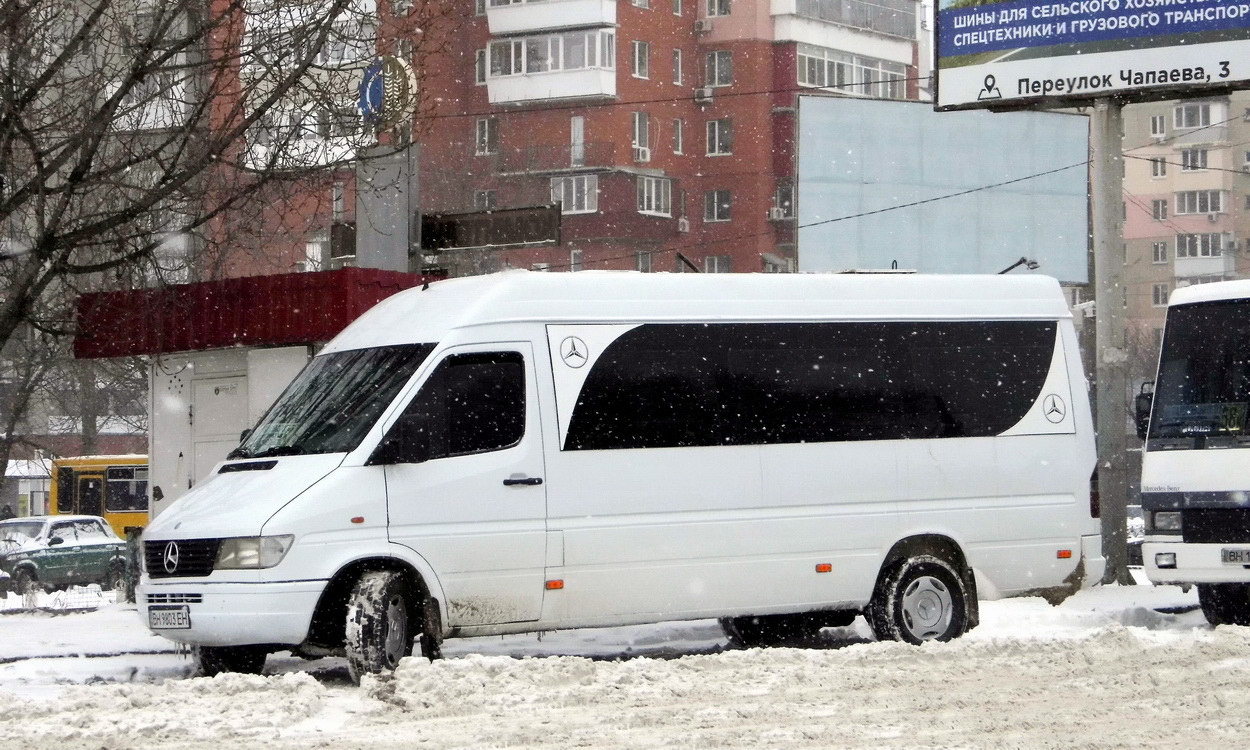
1196	464
531	451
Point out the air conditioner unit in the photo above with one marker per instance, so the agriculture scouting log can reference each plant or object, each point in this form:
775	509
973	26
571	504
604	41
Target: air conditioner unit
683	224
642	153
1213	218
1245	167
776	213
703	94
1230	245
702	25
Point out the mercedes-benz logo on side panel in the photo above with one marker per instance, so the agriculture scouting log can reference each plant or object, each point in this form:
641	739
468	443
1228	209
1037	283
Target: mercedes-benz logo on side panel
1054	409
573	351
171	557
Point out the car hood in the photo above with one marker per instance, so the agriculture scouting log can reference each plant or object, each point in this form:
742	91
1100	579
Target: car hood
237	503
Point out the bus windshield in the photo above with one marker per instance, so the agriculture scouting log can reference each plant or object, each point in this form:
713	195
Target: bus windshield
1203	387
333	402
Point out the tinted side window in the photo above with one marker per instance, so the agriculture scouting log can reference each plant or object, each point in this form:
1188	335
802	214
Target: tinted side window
755	384
64	490
472	403
127	489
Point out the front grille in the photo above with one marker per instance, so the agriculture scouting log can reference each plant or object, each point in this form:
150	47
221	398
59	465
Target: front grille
175	598
195	557
1216	525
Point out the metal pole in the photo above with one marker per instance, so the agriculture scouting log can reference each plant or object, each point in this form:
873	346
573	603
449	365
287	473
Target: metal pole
1111	393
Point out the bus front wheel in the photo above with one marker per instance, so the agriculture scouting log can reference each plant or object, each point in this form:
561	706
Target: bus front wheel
1225	603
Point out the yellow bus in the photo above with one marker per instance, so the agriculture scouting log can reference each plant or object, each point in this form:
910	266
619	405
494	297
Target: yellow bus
113	487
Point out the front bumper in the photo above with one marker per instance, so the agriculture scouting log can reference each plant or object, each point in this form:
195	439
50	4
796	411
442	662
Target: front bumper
1195	563
235	614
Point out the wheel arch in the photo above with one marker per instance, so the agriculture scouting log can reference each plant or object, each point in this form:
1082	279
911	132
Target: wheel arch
329	618
941	546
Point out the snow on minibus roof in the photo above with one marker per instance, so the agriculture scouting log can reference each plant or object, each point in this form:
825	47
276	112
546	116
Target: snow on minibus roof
1213	292
427	315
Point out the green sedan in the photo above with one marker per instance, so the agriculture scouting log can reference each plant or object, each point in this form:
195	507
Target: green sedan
57	551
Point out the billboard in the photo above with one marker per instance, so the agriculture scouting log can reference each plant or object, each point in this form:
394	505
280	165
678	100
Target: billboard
1010	53
885	182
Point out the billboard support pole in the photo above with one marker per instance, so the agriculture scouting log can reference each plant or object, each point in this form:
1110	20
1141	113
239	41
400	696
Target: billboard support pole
1111	394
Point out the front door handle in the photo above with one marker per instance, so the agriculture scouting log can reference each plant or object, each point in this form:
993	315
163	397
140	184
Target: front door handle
518	480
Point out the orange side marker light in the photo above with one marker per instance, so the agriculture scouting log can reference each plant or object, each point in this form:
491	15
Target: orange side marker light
1064	554
555	584
824	568
358	519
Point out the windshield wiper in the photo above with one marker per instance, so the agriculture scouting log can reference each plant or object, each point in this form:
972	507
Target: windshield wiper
277	450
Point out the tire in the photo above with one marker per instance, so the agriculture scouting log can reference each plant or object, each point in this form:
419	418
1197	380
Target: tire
919	599
764	631
23	581
116	579
380	623
215	660
1225	603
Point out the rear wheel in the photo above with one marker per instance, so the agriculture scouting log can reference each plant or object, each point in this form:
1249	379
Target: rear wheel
380	630
23	581
1225	603
214	660
919	599
116	578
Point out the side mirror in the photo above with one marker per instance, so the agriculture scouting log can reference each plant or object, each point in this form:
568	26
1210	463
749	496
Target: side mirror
1143	403
243	435
55	541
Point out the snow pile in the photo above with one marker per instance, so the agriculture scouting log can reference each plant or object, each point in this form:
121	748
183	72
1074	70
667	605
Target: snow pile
209	709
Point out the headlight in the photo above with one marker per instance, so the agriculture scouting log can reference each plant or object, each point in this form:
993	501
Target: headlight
252	552
1167	521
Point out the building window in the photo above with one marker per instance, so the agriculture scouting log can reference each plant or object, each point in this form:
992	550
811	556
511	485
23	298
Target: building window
1193	159
578	194
655	196
679	140
640	3
575	260
316	251
642	136
1191	116
783	199
1159	252
677	7
720	137
1248	202
642	59
1159	295
1206	245
573	50
479	67
718	7
487	136
883	16
1158	125
719	68
1158	166
577	141
716	264
483	200
852	74
1159	210
716	205
1199	202
642	261
677	67
479	7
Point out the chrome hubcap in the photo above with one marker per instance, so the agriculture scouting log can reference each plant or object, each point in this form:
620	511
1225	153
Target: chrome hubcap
927	608
396	630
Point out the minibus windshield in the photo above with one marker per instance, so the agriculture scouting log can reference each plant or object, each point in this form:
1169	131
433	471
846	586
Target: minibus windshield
333	402
1203	387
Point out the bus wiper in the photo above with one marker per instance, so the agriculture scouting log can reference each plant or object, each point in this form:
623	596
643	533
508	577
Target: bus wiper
278	450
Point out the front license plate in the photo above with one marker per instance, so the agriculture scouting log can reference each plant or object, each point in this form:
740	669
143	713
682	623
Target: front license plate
1235	556
169	618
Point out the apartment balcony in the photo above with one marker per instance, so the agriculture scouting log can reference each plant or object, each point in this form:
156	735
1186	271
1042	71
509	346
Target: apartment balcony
546	15
1209	135
1220	265
551	159
893	18
582	83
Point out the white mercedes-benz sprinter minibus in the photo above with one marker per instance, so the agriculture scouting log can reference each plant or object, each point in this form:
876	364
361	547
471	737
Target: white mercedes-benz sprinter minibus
1196	466
540	451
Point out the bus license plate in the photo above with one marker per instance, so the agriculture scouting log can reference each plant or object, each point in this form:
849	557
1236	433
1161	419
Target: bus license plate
169	618
1235	556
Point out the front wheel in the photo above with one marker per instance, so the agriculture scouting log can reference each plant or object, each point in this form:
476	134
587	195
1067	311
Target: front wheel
919	599
1225	603
379	629
214	660
23	581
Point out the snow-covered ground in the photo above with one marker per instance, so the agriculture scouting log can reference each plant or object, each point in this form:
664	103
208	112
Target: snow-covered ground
1105	669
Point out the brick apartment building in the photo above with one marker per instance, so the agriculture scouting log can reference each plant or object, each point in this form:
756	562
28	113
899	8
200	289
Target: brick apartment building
1187	207
659	126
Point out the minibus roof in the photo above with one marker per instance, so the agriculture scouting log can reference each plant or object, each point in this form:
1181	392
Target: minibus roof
1213	292
428	314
